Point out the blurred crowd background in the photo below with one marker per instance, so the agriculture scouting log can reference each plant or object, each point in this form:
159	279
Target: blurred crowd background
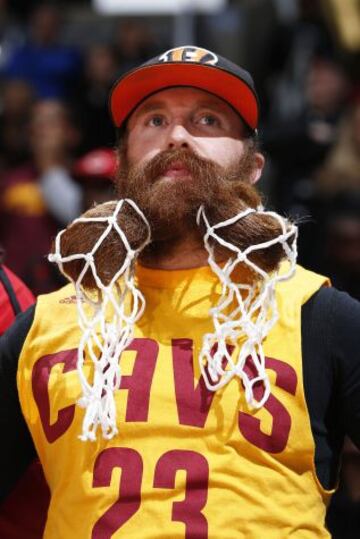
58	61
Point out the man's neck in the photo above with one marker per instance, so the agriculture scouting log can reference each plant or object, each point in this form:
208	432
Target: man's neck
185	253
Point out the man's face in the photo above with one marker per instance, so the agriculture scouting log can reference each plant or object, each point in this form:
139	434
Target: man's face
185	148
185	118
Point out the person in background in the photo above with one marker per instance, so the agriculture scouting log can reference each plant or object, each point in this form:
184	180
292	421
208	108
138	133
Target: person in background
335	240
134	43
298	146
49	66
16	99
343	517
339	243
11	32
95	171
38	198
89	97
23	511
341	169
15	297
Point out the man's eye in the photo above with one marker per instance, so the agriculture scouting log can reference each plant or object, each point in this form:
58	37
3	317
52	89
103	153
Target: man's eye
156	121
208	119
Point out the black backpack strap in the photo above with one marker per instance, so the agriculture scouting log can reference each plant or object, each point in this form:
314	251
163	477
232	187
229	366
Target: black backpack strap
10	291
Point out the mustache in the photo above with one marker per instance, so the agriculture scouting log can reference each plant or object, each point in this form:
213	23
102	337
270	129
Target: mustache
170	206
154	169
222	193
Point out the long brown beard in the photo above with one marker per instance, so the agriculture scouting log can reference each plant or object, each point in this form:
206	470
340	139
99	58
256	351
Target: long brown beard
171	206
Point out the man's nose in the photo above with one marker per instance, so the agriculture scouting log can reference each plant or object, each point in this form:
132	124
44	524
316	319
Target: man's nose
178	137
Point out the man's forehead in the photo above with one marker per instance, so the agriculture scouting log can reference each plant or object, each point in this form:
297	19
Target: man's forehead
181	96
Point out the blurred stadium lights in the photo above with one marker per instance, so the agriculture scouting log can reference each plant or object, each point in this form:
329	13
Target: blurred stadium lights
157	7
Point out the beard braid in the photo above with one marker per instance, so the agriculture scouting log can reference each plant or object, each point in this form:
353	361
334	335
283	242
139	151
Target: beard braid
171	206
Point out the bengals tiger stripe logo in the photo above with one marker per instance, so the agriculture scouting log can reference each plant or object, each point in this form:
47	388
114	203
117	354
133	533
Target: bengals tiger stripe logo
189	54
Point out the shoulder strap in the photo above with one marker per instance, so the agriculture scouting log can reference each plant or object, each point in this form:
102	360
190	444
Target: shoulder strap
4	279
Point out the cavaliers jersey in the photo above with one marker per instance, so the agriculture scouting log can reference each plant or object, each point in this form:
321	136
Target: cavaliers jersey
187	463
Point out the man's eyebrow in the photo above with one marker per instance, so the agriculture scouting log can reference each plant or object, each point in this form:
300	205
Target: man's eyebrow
148	107
156	105
209	104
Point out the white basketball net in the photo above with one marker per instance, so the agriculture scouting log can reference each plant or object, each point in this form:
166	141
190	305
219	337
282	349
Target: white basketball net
243	316
245	313
107	321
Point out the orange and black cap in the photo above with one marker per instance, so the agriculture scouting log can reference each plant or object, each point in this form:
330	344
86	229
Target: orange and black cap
186	66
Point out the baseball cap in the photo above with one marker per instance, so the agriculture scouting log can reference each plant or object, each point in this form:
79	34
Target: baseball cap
186	66
98	164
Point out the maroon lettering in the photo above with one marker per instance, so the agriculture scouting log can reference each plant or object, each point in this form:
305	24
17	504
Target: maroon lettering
139	382
129	499
40	382
193	403
250	426
188	510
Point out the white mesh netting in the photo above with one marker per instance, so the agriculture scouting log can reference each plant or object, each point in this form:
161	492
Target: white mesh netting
245	313
106	318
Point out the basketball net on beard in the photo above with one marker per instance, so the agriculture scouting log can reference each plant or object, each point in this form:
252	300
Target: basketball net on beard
107	328
245	313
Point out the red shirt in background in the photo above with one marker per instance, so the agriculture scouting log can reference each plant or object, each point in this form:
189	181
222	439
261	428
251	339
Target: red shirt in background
23	295
27	229
23	512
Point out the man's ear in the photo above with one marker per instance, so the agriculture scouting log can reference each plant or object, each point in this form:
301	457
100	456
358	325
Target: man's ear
121	149
119	160
258	168
121	143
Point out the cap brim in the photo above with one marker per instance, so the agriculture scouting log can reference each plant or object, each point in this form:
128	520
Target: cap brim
133	88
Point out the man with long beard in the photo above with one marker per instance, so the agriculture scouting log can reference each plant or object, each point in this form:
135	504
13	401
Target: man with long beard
218	380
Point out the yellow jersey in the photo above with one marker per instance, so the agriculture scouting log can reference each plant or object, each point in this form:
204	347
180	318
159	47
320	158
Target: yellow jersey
187	463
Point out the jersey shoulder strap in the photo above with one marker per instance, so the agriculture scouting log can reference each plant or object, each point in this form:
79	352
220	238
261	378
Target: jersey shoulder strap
4	279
